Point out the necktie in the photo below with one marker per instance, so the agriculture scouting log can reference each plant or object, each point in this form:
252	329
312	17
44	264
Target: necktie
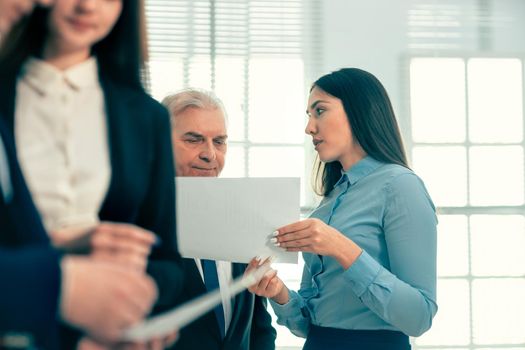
211	280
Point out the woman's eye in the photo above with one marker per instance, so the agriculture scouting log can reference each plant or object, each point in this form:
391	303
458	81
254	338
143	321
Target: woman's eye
319	111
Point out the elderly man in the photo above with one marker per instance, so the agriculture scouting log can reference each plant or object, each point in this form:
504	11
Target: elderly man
199	141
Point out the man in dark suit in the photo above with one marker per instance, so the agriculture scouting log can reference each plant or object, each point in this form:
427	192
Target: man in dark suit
199	140
39	286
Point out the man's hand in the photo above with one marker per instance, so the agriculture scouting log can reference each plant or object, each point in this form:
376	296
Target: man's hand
124	244
104	299
270	286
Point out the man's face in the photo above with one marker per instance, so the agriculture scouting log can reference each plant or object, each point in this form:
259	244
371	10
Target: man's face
199	142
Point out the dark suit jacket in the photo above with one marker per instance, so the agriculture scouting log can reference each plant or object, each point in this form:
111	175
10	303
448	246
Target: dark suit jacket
29	267
141	190
142	186
250	327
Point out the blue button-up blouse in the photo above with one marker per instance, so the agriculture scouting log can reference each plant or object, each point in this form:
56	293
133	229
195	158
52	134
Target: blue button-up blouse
386	210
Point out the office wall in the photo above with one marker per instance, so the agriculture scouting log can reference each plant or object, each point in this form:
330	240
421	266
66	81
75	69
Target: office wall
376	34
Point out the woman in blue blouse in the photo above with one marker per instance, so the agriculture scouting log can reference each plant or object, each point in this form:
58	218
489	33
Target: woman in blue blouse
369	279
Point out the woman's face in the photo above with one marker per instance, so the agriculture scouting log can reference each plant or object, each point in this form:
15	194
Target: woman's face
330	130
76	25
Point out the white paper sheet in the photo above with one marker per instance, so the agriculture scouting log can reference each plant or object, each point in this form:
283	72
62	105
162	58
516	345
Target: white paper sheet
232	219
183	315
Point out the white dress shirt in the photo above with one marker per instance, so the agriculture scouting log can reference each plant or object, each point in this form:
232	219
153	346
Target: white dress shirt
62	141
224	272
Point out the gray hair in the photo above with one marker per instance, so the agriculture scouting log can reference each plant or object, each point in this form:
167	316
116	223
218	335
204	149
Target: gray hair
192	98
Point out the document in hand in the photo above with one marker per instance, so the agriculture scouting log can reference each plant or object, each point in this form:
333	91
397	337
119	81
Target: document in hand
183	315
232	219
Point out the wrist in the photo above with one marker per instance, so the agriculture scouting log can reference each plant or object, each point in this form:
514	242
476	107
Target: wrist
283	297
347	253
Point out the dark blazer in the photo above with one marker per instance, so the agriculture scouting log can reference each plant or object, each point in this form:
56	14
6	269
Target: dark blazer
250	327
29	267
142	187
141	190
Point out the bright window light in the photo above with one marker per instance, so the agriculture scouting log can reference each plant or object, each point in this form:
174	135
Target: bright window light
477	183
277	100
433	164
496	175
498	311
451	326
505	259
437	90
452	244
495	98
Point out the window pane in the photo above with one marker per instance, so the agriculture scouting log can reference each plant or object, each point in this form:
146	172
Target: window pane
502	256
452	245
444	171
166	77
451	326
495	100
200	73
278	162
277	100
437	99
234	164
498	311
496	175
229	87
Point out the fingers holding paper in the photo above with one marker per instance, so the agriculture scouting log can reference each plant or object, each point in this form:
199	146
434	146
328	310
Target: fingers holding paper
314	236
310	235
270	286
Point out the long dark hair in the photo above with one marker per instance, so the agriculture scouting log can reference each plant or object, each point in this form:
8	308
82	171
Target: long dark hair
121	54
371	117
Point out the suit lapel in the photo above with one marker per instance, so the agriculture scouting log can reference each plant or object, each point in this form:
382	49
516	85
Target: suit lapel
115	108
239	301
128	146
195	287
21	208
7	99
196	284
